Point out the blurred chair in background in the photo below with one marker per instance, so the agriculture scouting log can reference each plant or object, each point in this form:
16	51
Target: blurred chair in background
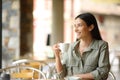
48	70
22	72
116	53
111	76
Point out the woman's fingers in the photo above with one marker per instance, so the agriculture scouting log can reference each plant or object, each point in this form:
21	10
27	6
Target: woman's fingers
56	49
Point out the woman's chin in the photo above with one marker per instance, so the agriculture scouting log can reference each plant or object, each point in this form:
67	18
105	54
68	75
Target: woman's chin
78	37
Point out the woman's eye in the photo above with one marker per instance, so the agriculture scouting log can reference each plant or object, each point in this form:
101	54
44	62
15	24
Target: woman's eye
79	25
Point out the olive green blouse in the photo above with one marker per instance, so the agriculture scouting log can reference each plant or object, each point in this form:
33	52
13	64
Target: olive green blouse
95	60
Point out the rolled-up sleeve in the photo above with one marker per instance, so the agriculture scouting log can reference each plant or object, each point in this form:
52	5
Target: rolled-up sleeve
65	60
62	74
103	69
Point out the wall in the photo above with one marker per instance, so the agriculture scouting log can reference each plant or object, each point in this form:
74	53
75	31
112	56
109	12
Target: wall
17	29
26	27
112	28
10	30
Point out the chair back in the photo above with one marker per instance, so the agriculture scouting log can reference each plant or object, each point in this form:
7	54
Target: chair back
41	65
14	74
111	76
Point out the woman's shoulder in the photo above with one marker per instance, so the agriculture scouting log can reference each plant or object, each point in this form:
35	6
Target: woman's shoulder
100	42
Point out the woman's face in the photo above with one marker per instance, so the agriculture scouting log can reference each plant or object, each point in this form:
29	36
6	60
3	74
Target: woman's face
81	29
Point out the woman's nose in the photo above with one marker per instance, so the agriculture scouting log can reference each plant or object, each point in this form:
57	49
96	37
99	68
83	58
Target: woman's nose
76	29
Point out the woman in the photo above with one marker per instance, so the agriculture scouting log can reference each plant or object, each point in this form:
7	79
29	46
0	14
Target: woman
88	57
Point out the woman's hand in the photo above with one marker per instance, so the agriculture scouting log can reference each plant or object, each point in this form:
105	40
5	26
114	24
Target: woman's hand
79	75
56	50
86	76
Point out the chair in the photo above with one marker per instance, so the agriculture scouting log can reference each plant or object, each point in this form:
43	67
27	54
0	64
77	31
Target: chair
41	65
117	56
111	76
33	63
16	72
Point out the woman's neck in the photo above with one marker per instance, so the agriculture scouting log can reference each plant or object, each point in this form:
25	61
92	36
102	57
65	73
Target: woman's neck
84	43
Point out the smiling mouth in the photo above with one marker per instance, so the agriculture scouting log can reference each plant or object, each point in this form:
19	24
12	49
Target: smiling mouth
79	33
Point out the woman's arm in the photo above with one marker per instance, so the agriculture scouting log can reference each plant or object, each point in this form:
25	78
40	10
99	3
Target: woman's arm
57	58
86	76
58	64
101	73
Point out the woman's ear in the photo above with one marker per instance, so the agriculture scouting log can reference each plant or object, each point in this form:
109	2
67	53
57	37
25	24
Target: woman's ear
91	27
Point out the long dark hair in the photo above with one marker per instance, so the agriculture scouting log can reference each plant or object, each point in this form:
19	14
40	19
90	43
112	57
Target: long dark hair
90	19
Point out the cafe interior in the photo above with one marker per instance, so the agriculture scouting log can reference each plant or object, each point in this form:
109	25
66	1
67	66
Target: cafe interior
31	27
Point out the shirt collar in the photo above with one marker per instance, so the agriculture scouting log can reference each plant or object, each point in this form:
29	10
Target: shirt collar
94	45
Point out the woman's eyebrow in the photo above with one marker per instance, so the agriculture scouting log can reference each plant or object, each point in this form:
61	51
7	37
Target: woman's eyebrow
78	23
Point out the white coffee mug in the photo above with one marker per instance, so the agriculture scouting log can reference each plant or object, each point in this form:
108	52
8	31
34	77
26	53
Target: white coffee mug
64	47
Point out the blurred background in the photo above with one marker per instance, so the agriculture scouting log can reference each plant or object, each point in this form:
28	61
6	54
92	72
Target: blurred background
31	27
